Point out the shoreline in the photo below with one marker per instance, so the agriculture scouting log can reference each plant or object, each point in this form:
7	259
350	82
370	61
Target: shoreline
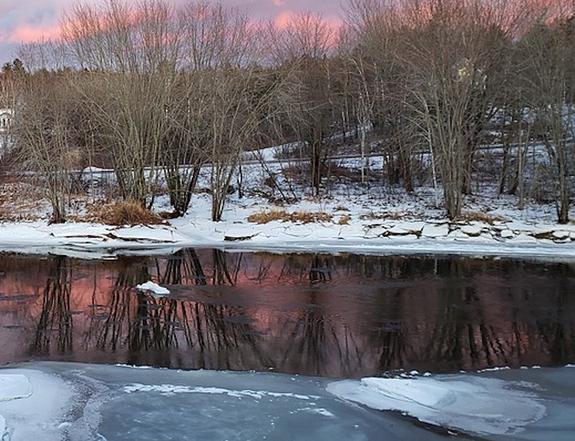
95	241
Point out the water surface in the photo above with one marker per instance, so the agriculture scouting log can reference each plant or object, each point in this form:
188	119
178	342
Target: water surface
313	314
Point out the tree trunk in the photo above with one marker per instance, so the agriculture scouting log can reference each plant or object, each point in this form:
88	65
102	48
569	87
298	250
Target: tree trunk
316	167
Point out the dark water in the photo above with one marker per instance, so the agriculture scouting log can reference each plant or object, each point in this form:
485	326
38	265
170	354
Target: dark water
337	316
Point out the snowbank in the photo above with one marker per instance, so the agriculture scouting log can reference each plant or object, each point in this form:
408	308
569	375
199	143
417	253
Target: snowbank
376	220
484	406
382	237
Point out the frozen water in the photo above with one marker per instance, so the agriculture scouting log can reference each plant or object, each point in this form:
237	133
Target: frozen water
121	404
34	405
117	403
473	404
13	387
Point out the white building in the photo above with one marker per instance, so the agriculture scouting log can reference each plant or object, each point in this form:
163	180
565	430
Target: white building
6	116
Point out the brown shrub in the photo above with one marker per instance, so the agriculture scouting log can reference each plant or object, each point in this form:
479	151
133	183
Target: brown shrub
265	217
344	220
476	216
308	218
282	215
122	213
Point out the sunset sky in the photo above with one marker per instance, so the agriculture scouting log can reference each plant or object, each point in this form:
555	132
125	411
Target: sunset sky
31	20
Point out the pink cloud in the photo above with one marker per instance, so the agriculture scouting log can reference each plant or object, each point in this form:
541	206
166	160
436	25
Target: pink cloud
286	17
283	19
25	21
28	33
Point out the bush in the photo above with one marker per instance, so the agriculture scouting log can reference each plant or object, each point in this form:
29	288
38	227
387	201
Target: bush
123	213
344	220
268	216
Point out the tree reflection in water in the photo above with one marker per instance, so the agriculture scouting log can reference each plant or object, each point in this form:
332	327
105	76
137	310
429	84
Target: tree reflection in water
331	315
55	326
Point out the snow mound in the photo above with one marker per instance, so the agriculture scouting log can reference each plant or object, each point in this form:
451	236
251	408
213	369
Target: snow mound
483	406
153	288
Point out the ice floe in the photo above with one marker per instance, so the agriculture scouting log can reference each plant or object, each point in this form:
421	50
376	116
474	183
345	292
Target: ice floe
472	404
154	288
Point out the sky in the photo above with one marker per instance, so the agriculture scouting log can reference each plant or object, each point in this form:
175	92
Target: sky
23	21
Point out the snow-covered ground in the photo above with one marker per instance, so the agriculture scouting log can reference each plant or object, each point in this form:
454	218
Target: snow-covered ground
368	226
377	220
53	401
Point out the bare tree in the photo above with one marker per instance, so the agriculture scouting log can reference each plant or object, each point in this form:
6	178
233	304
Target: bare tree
549	79
301	49
451	48
130	54
45	135
383	98
228	90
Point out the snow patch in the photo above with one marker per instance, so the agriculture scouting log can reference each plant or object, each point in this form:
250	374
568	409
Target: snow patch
13	387
434	231
132	366
33	405
495	369
154	288
484	406
318	410
507	234
472	230
170	389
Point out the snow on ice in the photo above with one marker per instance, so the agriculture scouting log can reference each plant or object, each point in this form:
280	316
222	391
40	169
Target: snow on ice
485	406
78	402
154	288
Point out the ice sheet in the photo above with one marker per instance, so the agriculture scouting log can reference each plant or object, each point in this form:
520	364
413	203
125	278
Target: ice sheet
473	404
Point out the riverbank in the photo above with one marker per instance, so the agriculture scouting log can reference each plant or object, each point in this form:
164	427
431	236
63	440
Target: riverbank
309	226
350	218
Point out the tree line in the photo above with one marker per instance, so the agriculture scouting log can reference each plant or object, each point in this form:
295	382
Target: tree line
158	92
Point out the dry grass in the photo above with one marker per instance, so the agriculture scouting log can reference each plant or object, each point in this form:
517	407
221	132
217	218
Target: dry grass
303	217
344	220
122	213
476	216
265	217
